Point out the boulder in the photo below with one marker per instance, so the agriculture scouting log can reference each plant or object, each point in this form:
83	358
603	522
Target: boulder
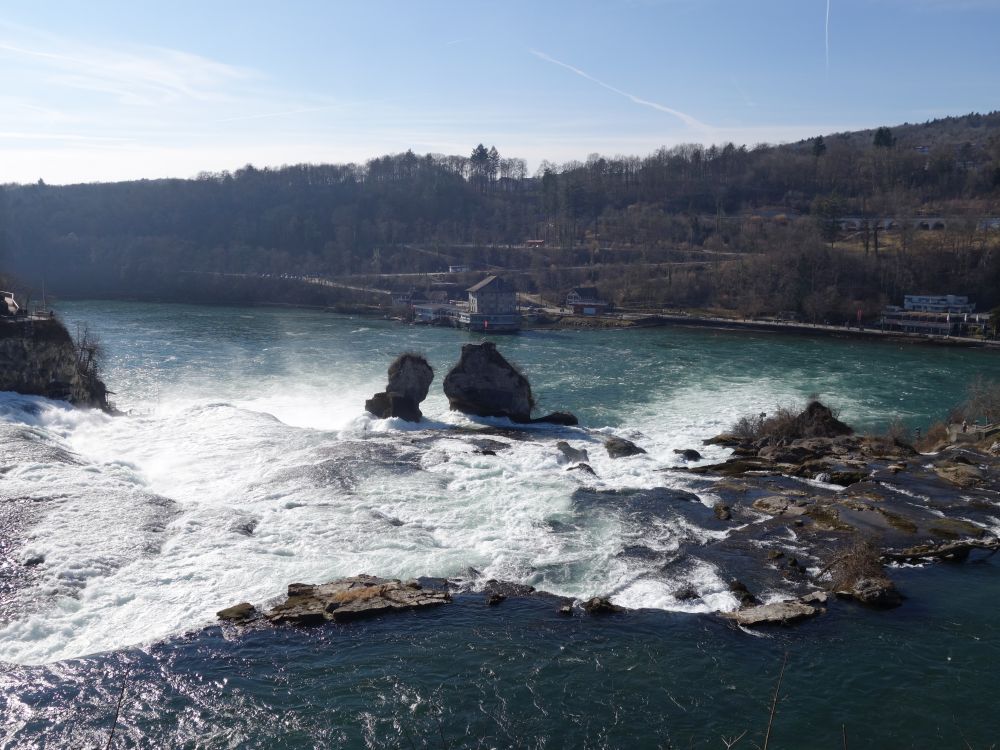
722	511
351	598
409	379
620	447
688	454
600	605
778	613
571	454
485	384
585	468
238	612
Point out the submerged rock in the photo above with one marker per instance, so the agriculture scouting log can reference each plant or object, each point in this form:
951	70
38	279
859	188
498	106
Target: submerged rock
620	447
571	454
410	377
351	598
688	454
563	418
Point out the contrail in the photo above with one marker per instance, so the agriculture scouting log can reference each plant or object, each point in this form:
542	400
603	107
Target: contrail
688	120
828	35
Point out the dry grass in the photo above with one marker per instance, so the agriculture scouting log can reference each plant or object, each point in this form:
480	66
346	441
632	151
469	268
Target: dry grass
860	560
936	434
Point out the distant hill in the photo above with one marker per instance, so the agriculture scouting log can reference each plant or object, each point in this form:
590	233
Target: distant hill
750	229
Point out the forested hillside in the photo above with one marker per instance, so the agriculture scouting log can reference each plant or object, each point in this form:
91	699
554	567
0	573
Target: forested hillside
819	227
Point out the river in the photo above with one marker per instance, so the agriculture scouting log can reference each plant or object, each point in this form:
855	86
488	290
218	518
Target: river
244	461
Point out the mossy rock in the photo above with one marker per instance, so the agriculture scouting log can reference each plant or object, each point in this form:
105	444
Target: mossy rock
954	528
826	517
898	522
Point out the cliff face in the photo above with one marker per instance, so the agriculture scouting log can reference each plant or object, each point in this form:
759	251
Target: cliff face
38	358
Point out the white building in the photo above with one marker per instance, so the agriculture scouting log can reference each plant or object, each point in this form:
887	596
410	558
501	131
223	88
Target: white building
946	303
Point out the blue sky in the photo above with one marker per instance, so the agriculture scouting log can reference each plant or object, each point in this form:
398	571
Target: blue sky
119	90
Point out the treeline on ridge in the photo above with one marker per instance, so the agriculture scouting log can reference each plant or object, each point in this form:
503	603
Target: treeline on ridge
819	227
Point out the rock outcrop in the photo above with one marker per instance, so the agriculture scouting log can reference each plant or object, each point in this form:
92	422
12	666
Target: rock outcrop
39	358
410	378
484	384
341	600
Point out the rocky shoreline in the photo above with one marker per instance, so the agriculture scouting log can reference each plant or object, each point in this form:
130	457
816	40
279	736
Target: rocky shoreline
806	512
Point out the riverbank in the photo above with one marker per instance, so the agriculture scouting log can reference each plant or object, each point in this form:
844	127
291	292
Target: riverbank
578	322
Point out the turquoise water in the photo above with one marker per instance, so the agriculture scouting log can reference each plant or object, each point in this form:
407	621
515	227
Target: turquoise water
239	417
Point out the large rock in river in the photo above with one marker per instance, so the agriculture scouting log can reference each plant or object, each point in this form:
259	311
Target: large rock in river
410	376
342	600
485	384
409	380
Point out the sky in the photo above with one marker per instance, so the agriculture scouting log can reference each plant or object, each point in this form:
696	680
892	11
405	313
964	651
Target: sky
104	91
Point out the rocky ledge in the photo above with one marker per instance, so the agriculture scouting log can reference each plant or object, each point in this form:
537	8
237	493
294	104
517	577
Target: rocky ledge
340	601
38	357
814	508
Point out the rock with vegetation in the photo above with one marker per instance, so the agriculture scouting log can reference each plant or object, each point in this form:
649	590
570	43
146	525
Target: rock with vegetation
342	600
410	377
484	384
38	357
858	573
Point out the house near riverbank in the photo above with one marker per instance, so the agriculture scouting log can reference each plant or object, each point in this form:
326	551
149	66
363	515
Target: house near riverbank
492	307
586	300
935	315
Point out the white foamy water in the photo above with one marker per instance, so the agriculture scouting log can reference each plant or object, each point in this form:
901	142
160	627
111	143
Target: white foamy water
149	535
